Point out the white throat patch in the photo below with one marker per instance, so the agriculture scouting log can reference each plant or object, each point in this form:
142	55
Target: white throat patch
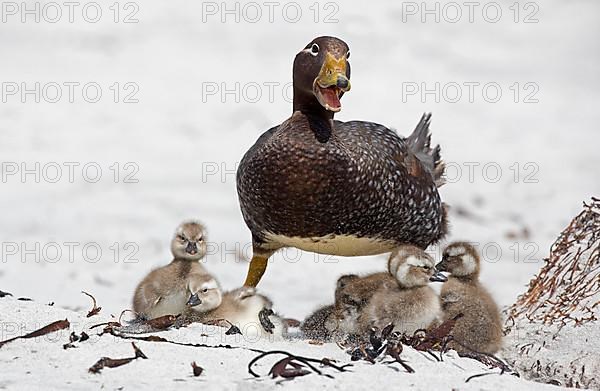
468	264
402	272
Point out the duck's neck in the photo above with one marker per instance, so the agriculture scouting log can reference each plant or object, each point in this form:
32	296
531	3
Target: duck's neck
308	104
471	279
320	120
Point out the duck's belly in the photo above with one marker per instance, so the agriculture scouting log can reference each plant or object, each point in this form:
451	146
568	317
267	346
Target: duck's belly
332	199
343	245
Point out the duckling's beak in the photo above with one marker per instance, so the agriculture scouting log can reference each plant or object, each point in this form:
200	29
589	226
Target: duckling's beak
332	82
194	300
442	267
438	277
191	248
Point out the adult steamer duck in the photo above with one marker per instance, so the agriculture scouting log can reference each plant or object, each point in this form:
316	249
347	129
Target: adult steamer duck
340	188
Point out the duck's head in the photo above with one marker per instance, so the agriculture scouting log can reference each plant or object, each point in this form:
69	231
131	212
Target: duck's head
460	259
205	293
189	242
322	74
345	292
413	267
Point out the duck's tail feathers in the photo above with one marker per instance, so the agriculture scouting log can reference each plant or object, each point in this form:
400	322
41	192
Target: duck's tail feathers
419	143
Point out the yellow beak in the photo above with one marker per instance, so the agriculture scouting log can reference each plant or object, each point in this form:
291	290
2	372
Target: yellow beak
333	73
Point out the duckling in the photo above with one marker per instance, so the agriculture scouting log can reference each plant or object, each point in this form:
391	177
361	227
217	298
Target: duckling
189	241
352	294
480	329
320	324
410	304
339	320
166	290
250	311
205	292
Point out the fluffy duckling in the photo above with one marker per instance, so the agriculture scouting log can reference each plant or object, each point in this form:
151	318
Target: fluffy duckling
169	290
189	242
166	290
410	304
320	324
251	312
480	329
352	295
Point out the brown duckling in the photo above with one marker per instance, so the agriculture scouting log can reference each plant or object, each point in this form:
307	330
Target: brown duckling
480	328
166	290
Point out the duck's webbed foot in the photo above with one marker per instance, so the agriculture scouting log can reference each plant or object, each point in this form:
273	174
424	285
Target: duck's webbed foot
265	322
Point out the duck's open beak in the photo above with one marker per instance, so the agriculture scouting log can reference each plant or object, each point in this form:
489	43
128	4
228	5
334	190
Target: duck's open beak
438	277
332	82
194	300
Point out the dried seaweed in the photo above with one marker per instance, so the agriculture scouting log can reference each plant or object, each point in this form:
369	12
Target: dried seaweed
116	332
290	322
196	369
233	330
162	322
381	345
106	362
139	326
480	375
293	366
436	339
95	309
489	360
433	339
4	294
287	368
52	327
75	338
566	291
390	343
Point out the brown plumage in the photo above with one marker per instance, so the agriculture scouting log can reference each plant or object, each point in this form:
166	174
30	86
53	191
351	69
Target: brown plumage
342	188
319	325
352	295
480	329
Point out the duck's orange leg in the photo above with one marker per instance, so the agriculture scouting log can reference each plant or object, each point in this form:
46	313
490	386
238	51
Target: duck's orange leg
257	267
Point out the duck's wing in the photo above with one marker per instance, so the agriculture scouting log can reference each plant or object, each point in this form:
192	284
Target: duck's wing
413	152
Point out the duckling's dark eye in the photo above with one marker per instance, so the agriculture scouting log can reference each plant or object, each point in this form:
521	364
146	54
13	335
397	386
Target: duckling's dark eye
200	239
205	290
348	55
314	49
180	237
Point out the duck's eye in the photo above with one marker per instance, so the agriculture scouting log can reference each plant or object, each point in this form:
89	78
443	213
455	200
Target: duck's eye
200	239
204	290
181	238
348	55
314	49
